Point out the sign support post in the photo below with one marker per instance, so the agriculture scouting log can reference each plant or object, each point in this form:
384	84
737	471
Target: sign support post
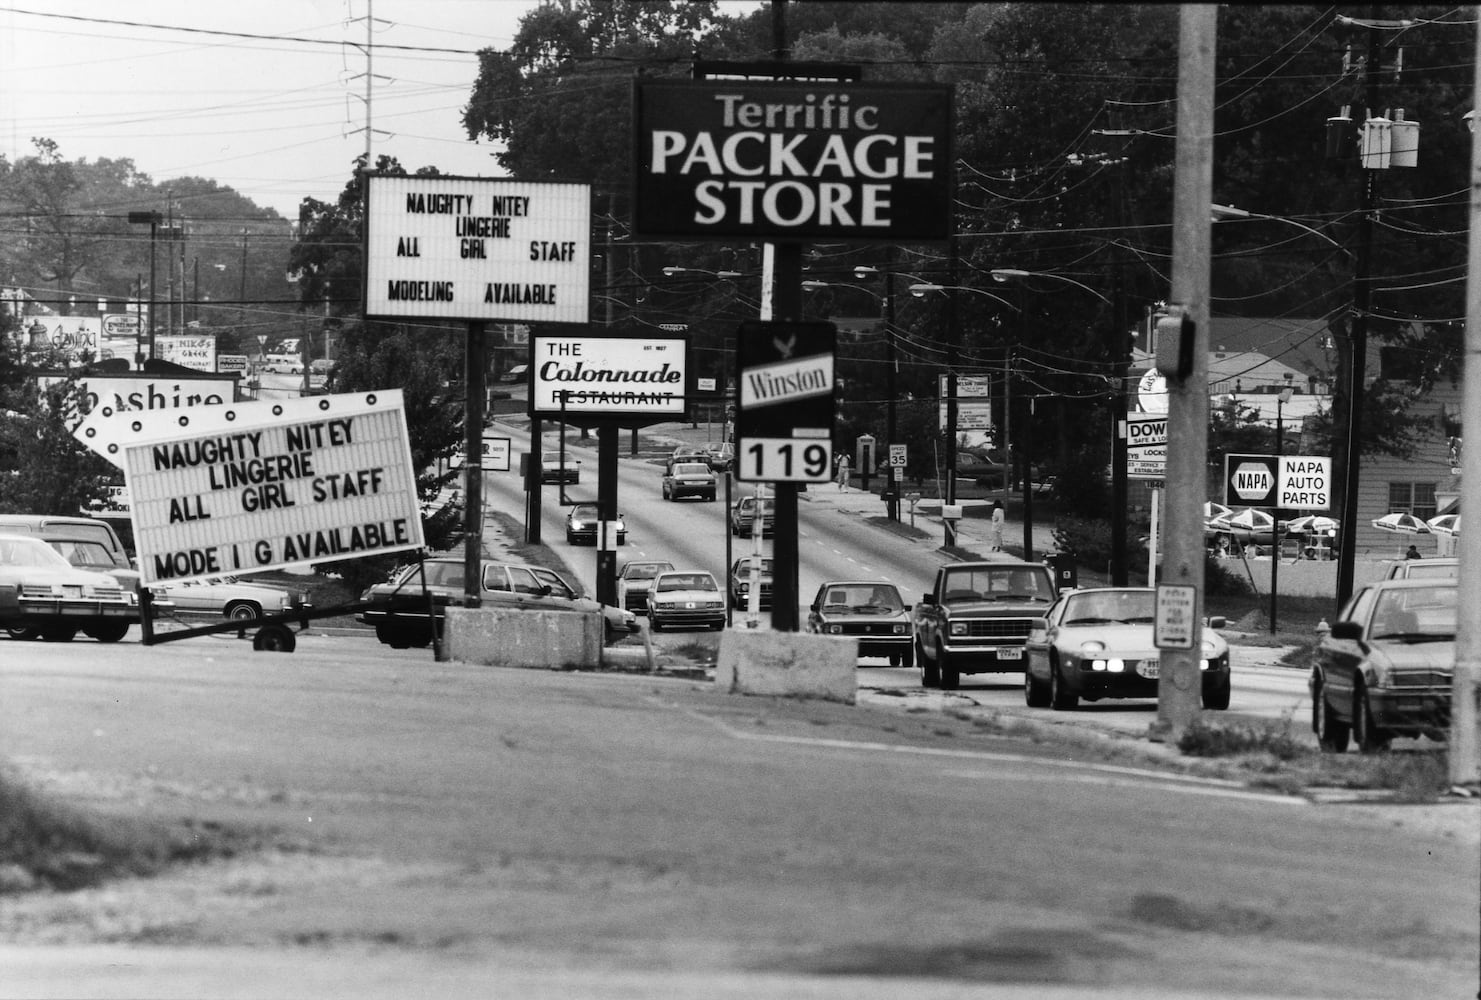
474	385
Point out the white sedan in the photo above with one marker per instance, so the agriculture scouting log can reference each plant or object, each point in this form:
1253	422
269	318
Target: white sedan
230	596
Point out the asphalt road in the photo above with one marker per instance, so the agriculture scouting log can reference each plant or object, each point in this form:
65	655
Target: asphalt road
471	831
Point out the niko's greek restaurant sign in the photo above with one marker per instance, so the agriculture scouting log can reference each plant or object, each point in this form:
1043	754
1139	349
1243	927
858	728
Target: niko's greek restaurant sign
827	160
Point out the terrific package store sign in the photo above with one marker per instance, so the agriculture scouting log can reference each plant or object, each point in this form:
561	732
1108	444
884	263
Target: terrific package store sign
800	160
260	486
469	249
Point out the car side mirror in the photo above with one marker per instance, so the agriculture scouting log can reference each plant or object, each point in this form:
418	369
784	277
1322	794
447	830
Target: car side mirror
1347	630
928	598
1217	622
813	606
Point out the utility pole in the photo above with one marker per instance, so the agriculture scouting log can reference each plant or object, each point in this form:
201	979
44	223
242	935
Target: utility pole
1465	741
1362	300
1179	627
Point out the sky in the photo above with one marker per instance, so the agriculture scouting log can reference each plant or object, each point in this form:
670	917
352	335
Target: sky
265	97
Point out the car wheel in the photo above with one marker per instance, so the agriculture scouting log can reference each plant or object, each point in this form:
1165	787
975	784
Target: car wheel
274	639
895	659
1368	737
1331	732
108	631
951	677
1060	699
907	658
243	610
570	538
1035	691
58	633
25	633
1216	695
930	671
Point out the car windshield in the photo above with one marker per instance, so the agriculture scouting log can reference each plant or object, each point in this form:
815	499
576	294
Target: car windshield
744	565
863	599
1125	607
998	583
85	555
30	552
1431	571
691	469
642	571
1415	614
670	582
584	510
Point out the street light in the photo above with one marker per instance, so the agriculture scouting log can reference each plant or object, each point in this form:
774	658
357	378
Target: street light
669	272
154	219
920	289
1219	213
1011	273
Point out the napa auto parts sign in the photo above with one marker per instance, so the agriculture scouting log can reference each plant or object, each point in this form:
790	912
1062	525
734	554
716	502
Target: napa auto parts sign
470	249
256	486
792	160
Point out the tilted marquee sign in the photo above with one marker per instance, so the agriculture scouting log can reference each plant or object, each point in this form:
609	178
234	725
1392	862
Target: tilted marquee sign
471	249
796	160
609	377
259	486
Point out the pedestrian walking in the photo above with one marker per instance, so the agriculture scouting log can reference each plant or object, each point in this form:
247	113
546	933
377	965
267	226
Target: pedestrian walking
843	472
998	517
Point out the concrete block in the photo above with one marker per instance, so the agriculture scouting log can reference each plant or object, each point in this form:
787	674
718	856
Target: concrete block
799	664
538	639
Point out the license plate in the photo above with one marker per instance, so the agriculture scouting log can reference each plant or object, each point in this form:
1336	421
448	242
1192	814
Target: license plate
1148	668
1010	654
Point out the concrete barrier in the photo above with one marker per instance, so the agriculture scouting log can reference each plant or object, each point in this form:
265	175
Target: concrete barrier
799	664
508	637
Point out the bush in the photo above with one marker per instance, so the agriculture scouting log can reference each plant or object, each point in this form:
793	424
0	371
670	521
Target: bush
1089	541
1203	738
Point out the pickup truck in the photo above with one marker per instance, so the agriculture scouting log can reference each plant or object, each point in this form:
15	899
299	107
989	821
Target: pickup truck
976	617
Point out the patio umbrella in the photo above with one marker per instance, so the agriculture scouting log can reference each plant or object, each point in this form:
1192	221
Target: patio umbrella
1212	510
1445	524
1250	525
1312	524
1402	524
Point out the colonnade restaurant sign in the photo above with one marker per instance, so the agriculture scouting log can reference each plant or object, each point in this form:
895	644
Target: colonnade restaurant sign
257	486
824	160
622	378
472	249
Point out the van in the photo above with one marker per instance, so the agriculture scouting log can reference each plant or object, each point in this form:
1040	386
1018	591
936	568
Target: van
290	364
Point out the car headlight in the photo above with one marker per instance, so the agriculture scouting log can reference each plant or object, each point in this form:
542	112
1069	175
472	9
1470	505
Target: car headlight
835	629
899	628
958	628
744	587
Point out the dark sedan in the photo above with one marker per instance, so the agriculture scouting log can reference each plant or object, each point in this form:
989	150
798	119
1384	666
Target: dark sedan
583	524
1384	669
868	611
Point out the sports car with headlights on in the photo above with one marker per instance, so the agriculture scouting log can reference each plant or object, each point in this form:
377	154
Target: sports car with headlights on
44	596
869	612
1097	643
1385	669
583	523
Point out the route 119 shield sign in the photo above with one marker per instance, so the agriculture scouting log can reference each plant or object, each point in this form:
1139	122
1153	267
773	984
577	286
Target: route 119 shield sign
785	402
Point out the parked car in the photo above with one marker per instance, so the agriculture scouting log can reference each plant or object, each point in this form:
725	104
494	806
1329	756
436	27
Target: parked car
743	515
44	596
517	373
398	609
869	611
1250	526
230	596
98	529
583	521
685	598
1384	669
321	366
1097	643
633	581
689	479
740	581
555	470
1424	569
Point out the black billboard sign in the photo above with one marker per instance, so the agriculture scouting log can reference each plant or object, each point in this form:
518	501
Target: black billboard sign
785	402
793	160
